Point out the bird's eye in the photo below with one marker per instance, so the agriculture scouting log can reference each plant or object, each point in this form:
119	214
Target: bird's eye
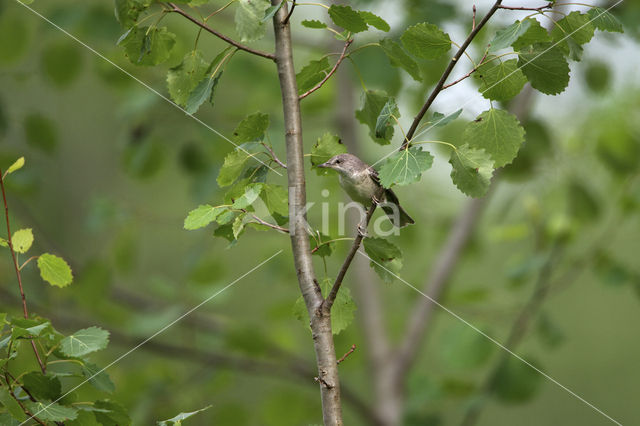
338	161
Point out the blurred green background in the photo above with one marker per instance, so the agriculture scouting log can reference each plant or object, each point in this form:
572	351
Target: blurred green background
112	170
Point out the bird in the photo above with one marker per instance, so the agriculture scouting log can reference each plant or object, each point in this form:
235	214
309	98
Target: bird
360	181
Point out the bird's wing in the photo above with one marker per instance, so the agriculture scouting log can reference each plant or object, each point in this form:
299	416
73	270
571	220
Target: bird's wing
390	196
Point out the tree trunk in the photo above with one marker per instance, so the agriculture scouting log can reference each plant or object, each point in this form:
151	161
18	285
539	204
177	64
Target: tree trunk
320	318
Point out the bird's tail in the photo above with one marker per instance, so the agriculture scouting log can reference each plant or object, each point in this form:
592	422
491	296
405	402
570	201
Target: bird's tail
394	210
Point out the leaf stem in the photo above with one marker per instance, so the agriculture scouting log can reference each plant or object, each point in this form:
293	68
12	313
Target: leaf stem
450	145
27	261
215	12
318	245
313	4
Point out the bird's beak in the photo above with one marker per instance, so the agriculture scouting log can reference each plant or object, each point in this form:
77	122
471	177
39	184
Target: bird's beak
324	165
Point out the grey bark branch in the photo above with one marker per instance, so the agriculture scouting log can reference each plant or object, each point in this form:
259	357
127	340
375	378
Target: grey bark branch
320	318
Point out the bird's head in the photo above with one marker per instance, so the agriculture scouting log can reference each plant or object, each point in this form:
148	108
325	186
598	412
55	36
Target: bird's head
345	164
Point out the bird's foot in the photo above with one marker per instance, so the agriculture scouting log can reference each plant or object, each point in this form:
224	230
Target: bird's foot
362	230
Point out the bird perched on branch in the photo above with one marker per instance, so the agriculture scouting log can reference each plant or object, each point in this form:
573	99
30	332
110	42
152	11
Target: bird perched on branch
361	182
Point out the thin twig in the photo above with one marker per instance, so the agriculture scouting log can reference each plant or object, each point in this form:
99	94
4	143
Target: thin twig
328	76
17	269
438	88
293	6
270	225
537	9
25	409
349	352
467	75
473	27
232	42
274	156
331	297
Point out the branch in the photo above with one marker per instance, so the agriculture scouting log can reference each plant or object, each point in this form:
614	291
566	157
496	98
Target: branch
535	9
270	225
320	320
436	90
293	6
328	76
204	26
17	269
331	297
274	156
349	352
467	75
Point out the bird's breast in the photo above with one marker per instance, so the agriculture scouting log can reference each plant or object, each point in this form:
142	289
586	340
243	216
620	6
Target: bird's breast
360	187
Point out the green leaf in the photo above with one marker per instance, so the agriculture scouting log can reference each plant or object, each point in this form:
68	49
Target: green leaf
373	103
545	67
7	419
375	21
575	28
405	167
314	23
97	377
11	405
471	170
464	348
604	21
30	328
127	11
535	34
399	58
184	78
238	225
386	258
347	18
249	19
325	148
251	194
426	41
202	216
115	415
312	74
54	270
271	11
84	342
22	240
50	411
177	420
205	89
439	120
17	165
516	382
40	132
498	132
500	81
233	165
41	386
62	62
148	46
251	128
506	37
276	199
386	118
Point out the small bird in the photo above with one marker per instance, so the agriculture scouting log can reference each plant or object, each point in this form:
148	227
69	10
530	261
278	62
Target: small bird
361	182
